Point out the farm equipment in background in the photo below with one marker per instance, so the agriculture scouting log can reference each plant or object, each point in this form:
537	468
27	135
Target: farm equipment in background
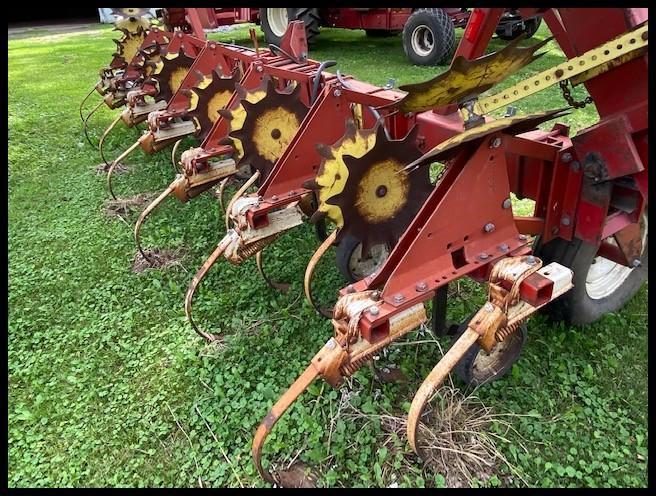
428	33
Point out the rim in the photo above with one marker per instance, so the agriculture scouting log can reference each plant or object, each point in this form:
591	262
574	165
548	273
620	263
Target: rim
278	21
362	267
487	366
422	40
605	276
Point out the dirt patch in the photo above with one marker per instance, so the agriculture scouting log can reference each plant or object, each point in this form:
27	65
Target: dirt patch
157	259
103	168
390	374
299	475
122	207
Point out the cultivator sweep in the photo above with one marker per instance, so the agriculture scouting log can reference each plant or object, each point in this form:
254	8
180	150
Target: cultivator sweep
417	184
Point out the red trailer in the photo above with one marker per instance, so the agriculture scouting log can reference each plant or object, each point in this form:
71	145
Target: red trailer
428	33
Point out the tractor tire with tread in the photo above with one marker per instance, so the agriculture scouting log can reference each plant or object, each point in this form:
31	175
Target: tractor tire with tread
312	21
429	37
273	32
273	29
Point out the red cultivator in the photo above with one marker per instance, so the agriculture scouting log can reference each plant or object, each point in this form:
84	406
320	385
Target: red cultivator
590	193
329	148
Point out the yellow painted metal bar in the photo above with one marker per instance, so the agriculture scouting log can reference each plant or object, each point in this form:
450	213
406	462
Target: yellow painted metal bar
588	65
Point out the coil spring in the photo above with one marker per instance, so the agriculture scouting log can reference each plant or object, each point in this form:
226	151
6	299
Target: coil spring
504	332
251	249
352	367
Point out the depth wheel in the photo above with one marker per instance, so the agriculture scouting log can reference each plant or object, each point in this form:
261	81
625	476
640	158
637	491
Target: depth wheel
601	286
478	367
351	263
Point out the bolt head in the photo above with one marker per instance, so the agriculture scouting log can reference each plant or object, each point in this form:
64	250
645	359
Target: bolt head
350	288
488	307
259	68
484	256
274	197
398	298
504	247
507	203
212	46
374	310
636	263
489	227
522	237
495	143
566	157
530	260
422	286
337	92
375	295
331	344
565	221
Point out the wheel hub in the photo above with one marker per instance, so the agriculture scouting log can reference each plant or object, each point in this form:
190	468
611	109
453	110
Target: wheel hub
360	267
422	40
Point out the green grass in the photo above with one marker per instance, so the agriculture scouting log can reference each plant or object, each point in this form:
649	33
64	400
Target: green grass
108	384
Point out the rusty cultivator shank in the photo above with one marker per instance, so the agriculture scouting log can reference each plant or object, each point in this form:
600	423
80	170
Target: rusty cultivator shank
326	148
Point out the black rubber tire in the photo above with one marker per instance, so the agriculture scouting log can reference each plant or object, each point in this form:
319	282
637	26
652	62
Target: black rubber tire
464	369
343	255
575	306
312	21
381	33
441	28
530	28
269	36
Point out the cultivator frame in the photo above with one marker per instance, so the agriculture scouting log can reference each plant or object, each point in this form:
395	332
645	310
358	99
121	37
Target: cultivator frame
488	243
591	187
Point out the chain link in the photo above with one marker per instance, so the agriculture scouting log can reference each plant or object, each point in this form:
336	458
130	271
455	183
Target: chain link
567	95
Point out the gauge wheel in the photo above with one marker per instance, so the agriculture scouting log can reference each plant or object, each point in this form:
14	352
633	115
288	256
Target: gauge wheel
353	265
478	367
601	286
